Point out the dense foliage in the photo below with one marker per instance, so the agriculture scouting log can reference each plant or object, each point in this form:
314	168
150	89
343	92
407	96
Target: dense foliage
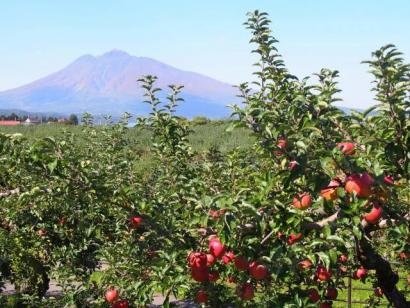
320	196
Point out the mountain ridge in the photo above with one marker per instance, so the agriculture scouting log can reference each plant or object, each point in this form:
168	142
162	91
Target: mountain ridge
108	84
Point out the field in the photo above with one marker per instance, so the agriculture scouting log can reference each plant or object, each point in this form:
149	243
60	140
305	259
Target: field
203	137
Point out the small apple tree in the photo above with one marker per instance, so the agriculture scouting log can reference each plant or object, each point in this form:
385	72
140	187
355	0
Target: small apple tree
338	182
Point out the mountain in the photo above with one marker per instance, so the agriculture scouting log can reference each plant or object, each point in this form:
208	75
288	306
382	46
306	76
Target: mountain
107	84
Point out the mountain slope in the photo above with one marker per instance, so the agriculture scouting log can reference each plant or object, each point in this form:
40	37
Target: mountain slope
107	84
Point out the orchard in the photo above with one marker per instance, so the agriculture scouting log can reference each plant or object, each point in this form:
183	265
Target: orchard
321	196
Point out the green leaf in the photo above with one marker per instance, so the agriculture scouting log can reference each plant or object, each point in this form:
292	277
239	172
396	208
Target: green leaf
96	277
52	165
326	231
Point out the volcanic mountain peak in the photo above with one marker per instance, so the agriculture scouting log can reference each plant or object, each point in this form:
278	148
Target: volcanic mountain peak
108	84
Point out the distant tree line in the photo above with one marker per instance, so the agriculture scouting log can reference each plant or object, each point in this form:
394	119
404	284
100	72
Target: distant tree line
71	120
201	120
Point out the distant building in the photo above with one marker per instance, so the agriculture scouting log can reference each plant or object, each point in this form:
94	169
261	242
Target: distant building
9	123
31	122
62	121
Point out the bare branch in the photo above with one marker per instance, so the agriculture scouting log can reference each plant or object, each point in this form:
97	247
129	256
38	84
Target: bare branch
10	192
267	237
320	224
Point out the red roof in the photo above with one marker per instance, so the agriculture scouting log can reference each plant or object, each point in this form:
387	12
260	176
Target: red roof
9	123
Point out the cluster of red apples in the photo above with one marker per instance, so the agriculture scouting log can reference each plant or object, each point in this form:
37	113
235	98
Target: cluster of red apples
323	275
359	184
111	296
201	263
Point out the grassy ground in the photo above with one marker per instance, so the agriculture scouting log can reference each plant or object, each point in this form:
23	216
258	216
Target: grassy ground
203	137
364	295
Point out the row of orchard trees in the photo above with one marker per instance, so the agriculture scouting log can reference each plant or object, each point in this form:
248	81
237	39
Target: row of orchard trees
320	196
72	119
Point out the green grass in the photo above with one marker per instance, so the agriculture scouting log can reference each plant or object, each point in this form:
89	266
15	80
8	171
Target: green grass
203	137
363	295
39	131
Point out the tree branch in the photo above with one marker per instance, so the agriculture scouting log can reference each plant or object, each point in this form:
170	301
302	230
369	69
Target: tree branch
309	226
267	237
10	192
386	277
320	224
385	223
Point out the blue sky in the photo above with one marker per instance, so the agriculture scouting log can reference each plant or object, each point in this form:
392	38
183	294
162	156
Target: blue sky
42	36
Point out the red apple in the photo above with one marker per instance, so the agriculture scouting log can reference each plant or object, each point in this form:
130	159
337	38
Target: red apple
216	248
404	255
197	260
331	293
343	259
305	264
302	201
360	273
378	292
367	179
323	274
245	291
200	274
136	222
214	214
313	295
241	263
293	164
111	295
228	257
388	179
257	270
293	238
213	276
231	279
282	143
329	193
120	304
42	232
347	148
325	305
201	296
359	184
210	260
374	215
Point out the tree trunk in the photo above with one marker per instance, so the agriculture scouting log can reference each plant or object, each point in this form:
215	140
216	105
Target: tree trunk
386	277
